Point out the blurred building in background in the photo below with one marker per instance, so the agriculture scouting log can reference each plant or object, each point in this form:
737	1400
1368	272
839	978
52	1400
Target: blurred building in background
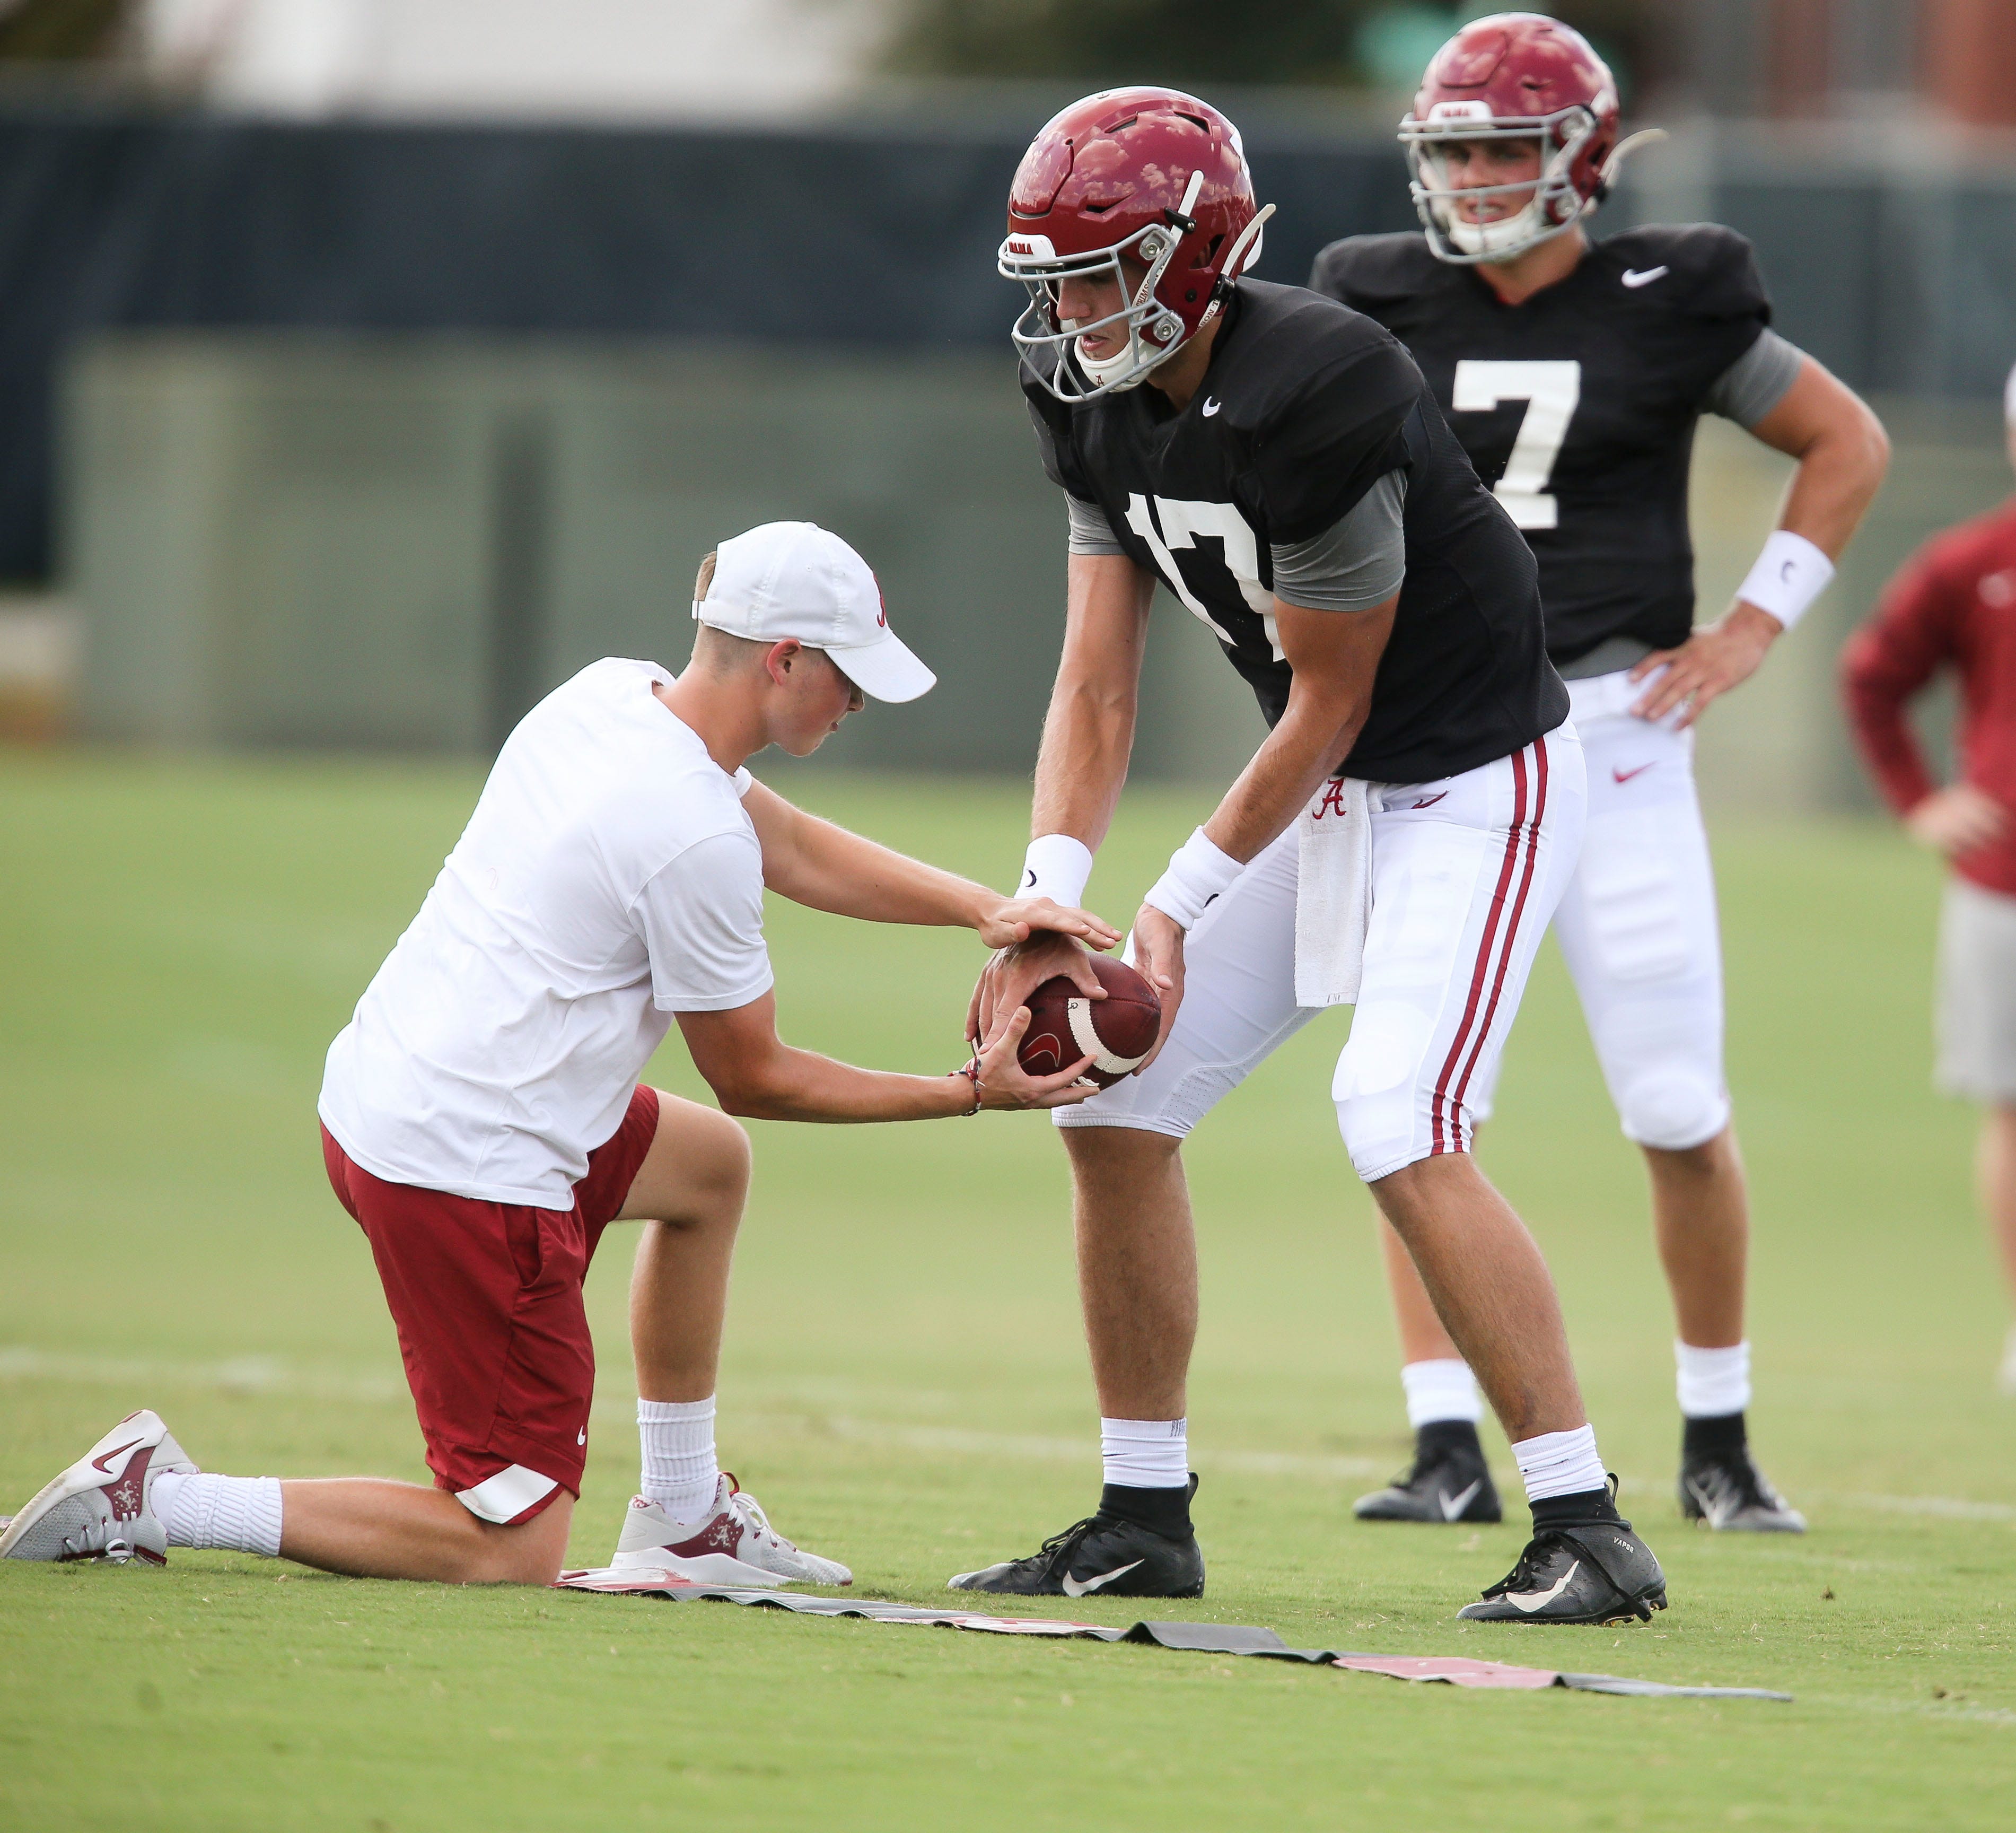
370	365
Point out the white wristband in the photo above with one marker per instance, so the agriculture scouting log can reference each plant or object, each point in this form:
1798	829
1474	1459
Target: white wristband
1789	574
1198	871
1056	866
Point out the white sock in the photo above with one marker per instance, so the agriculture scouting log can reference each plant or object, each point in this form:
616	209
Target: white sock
1560	1463
1145	1453
1713	1383
1441	1389
241	1515
680	1471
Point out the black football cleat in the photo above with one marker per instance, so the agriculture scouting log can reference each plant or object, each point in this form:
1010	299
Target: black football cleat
1447	1482
1593	1572
1103	1556
1725	1491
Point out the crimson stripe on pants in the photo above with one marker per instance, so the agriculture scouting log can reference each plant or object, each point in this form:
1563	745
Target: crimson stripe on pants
1437	1143
1511	937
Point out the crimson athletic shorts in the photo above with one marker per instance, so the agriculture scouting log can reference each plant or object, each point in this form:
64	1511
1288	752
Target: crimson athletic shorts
487	1298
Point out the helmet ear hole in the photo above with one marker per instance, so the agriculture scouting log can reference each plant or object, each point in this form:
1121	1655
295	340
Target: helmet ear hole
1208	257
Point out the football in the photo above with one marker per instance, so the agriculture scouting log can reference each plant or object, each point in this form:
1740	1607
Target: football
1116	1032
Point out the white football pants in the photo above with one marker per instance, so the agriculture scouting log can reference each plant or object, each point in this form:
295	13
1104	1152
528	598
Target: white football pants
1466	873
1636	926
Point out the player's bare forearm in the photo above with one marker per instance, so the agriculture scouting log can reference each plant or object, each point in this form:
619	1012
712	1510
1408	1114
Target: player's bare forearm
814	862
1335	655
756	1075
1089	731
1842	451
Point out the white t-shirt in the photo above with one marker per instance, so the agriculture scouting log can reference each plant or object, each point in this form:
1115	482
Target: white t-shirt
609	878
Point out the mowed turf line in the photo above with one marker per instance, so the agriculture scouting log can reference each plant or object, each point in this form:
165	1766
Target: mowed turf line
904	1387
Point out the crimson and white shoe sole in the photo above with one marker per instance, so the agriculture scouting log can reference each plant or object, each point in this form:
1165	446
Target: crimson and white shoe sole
101	1508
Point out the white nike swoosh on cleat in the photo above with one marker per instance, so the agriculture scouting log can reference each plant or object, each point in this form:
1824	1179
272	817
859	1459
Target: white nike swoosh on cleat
1078	1587
1633	277
1530	1602
1453	1506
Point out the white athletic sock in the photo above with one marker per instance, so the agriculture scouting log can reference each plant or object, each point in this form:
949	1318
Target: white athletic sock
1145	1453
680	1471
1439	1390
241	1515
1713	1383
1560	1463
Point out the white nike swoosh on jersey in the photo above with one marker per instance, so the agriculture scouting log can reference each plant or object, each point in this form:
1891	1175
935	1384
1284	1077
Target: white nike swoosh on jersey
1530	1602
1078	1587
1453	1506
1633	277
1211	407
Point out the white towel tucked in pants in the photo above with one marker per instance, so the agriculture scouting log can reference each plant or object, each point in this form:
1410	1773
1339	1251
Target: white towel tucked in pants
1332	893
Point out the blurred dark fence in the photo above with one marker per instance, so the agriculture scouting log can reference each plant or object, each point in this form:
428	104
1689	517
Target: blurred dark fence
849	237
874	233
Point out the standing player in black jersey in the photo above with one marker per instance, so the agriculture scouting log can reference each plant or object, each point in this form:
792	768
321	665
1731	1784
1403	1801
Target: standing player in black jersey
1398	842
1573	372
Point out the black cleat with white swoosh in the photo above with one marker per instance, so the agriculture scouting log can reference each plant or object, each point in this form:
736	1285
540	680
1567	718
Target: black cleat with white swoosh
1447	1481
1103	1556
1591	1572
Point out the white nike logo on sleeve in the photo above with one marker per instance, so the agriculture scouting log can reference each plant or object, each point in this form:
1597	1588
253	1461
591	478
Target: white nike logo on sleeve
1210	407
1633	277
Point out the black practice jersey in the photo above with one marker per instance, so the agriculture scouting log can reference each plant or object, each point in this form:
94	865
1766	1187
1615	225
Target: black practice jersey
1579	405
1306	405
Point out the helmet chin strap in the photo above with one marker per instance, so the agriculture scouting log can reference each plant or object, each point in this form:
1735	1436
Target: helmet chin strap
1525	227
1100	371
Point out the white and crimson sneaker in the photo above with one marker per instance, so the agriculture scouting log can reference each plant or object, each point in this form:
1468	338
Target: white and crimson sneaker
101	1507
733	1544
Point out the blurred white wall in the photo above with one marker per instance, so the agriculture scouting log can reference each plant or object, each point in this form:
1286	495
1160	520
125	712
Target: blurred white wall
642	59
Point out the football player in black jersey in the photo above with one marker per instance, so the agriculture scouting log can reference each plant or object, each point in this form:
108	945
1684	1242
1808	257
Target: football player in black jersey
1573	373
1398	842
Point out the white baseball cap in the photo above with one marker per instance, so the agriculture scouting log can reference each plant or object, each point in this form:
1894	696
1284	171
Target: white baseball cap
795	579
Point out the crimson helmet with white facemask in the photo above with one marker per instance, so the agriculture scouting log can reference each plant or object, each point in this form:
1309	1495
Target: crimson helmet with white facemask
1515	76
1148	177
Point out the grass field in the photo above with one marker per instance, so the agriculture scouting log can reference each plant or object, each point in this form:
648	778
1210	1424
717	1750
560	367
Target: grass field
904	1387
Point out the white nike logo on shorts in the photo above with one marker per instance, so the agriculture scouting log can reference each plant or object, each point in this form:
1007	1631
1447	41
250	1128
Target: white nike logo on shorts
1633	277
1210	407
1078	1587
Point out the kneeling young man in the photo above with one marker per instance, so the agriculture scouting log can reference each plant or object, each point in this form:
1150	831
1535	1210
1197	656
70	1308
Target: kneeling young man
1398	842
483	1121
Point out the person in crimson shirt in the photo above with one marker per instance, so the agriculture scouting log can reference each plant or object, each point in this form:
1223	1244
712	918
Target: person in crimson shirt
1574	370
1953	605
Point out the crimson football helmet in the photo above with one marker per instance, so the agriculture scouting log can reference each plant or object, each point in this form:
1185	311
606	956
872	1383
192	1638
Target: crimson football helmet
1515	76
1151	176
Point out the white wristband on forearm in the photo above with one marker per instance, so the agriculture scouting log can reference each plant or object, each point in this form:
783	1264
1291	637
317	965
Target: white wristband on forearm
1199	870
1789	574
1056	866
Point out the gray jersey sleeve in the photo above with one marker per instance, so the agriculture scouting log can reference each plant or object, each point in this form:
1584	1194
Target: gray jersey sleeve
1356	563
1757	381
1090	531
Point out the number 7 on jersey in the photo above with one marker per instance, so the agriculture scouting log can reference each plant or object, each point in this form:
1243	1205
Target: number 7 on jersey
1550	391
